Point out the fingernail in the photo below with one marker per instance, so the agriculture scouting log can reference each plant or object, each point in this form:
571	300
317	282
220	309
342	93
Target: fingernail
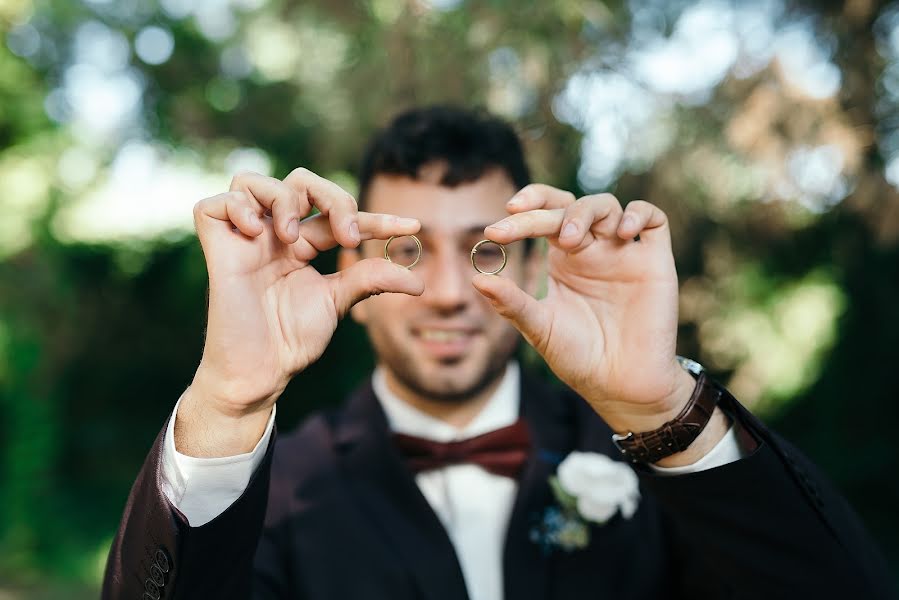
628	221
501	226
293	228
354	231
514	201
569	230
253	217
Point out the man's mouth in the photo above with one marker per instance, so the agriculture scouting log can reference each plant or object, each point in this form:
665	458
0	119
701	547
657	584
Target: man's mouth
442	335
445	342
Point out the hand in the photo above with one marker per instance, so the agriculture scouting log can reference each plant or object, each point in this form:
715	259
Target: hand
271	314
608	325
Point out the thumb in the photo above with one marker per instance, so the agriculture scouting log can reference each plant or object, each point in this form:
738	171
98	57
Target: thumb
525	312
370	277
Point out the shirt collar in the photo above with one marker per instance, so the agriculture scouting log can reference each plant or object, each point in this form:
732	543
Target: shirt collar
500	410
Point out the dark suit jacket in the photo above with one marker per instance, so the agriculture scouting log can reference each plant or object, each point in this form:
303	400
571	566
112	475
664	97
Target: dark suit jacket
333	514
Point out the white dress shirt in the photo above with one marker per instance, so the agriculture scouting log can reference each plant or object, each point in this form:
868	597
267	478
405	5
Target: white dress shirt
473	504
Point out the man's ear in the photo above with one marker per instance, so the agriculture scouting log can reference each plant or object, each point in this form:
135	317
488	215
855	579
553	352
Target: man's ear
346	258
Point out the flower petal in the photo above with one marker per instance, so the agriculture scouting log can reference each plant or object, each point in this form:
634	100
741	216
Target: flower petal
594	510
600	484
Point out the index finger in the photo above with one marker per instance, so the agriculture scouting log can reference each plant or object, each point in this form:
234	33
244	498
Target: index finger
533	223
333	201
268	193
539	195
317	231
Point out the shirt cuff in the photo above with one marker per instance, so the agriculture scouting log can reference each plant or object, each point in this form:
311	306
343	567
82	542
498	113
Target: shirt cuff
203	488
727	450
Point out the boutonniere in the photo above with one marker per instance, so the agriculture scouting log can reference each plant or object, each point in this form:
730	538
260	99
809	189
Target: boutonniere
589	488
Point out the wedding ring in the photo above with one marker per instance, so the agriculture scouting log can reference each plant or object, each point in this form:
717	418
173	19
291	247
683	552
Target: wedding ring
417	243
474	263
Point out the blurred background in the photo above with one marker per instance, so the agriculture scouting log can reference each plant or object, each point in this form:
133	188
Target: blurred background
768	131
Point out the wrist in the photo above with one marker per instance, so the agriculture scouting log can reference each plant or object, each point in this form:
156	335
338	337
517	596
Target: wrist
651	416
713	433
687	436
207	427
233	398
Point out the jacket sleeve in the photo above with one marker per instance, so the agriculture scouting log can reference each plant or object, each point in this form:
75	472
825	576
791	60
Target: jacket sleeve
769	525
157	555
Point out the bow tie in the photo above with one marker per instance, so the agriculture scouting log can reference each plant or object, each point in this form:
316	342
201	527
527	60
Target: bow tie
501	452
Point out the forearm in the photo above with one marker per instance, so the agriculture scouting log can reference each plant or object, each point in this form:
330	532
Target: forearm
767	525
203	488
643	417
151	524
204	429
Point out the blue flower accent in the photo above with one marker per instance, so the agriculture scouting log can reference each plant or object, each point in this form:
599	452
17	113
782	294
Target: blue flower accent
560	528
601	488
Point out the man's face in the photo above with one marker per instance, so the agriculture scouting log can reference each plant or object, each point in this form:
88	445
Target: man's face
447	344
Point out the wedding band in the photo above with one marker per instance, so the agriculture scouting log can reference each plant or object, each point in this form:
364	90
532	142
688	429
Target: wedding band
417	243
475	251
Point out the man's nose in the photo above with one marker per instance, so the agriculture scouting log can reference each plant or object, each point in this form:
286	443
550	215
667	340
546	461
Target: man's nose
448	282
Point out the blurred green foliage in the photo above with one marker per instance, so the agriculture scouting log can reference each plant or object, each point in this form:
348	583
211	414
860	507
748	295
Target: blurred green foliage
789	260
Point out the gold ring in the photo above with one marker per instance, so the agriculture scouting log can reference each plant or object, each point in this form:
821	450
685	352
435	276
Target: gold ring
417	243
475	251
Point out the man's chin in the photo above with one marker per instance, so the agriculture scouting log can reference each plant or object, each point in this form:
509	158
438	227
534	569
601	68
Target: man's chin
449	383
450	395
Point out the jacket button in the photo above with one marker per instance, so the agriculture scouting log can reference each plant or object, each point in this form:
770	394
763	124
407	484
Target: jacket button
162	560
152	589
157	575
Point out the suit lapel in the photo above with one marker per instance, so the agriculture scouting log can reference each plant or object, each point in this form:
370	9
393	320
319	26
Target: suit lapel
388	493
525	565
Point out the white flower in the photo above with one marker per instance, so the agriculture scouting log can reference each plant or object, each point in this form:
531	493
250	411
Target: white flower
601	485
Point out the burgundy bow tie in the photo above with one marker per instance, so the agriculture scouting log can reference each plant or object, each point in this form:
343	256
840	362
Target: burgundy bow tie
501	452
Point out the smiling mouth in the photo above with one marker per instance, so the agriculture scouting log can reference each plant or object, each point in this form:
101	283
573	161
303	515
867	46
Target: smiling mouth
443	335
447	345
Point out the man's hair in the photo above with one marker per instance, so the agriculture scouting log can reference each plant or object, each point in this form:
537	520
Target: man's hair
468	143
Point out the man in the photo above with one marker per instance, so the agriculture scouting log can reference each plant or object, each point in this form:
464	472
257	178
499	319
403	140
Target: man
385	498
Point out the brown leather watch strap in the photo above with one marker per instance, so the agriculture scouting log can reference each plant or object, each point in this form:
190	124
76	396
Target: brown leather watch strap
677	434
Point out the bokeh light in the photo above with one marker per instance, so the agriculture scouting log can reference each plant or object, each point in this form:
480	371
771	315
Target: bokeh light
768	131
154	45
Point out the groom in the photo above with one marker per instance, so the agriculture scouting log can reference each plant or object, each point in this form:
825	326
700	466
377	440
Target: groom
433	481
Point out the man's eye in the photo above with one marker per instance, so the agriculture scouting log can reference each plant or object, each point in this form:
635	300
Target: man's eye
487	251
403	252
408	250
488	257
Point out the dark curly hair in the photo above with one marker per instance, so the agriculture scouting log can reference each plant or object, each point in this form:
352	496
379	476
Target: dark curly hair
469	142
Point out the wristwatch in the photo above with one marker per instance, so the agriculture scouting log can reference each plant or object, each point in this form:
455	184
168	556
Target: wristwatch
678	433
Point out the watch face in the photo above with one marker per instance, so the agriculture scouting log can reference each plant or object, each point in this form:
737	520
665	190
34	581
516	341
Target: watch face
691	365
